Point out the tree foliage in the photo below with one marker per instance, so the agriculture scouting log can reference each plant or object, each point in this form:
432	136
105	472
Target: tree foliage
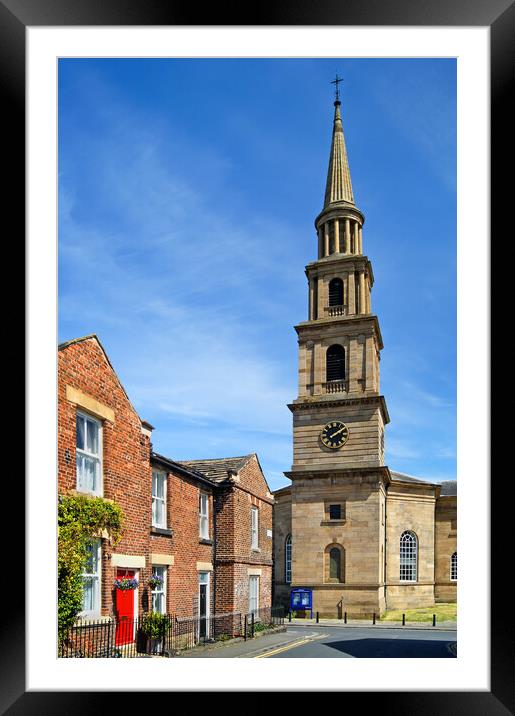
80	519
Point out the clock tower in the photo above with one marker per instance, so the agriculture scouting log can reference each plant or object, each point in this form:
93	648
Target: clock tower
338	476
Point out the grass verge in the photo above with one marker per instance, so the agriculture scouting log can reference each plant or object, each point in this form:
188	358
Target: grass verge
444	613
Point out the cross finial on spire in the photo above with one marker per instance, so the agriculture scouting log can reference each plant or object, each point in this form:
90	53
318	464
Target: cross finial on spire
336	82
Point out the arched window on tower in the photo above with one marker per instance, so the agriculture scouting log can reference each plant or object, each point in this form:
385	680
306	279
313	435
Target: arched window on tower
336	292
287	560
335	363
408	557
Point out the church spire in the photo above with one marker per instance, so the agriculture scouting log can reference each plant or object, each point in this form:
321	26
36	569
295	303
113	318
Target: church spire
338	187
339	224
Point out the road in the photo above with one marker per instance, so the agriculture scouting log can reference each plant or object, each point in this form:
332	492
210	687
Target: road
367	642
339	642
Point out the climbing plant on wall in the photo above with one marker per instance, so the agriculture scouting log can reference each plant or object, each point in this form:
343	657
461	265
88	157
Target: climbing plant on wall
80	519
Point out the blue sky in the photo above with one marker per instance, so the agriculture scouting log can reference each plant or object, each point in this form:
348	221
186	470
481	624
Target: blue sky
187	195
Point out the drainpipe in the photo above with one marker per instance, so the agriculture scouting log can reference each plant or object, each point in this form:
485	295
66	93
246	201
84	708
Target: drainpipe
215	508
384	556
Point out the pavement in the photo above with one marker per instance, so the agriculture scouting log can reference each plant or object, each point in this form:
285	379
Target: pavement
329	640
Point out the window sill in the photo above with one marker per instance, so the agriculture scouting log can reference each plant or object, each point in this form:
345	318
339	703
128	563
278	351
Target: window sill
162	531
333	522
255	549
89	619
205	540
89	493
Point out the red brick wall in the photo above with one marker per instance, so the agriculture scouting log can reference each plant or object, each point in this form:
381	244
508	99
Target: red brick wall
126	452
127	479
234	555
185	544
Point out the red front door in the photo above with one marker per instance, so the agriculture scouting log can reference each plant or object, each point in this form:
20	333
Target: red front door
124	606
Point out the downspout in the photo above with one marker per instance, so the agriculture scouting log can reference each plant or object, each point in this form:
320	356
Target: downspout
384	556
215	509
437	495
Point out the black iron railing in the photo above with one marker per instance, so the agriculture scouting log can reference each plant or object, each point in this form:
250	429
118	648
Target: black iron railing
260	620
144	636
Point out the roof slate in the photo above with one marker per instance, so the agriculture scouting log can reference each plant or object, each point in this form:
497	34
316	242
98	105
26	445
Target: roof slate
449	487
216	469
402	477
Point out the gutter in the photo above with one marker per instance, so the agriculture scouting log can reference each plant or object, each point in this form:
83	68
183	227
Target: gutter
154	458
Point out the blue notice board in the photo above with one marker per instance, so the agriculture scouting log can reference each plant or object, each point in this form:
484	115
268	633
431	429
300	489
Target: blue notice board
301	598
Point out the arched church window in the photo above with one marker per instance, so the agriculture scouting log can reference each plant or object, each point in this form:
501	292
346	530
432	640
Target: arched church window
408	557
336	292
335	564
454	567
287	560
335	363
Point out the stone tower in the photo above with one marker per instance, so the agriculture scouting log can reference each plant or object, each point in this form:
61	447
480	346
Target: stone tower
338	475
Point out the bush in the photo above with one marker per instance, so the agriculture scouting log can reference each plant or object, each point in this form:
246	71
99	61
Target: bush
261	626
154	624
80	518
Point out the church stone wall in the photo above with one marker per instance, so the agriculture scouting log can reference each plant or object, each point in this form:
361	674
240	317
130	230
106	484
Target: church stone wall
359	592
375	514
282	528
445	546
410	507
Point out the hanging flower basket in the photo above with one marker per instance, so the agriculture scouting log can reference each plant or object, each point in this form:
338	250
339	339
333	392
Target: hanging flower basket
155	581
125	583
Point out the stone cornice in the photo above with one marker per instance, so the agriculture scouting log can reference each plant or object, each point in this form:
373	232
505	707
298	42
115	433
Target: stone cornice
327	263
382	471
338	210
310	403
305	326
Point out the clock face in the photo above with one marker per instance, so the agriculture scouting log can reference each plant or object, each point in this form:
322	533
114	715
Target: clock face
335	435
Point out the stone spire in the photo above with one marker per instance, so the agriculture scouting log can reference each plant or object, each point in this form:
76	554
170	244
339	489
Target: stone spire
339	186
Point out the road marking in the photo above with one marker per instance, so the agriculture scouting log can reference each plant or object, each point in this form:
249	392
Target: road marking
292	645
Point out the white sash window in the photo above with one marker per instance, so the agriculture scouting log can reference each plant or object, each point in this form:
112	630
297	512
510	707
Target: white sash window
158	499
254	528
91	581
204	515
89	454
253	594
159	593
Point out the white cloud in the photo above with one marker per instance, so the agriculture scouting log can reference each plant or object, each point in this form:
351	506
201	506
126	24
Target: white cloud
175	291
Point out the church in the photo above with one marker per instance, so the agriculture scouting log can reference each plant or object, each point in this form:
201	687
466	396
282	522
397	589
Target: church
361	536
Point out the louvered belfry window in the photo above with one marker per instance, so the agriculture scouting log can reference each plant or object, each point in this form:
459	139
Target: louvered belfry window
335	363
336	292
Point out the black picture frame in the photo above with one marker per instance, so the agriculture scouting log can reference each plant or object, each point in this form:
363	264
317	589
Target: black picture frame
499	16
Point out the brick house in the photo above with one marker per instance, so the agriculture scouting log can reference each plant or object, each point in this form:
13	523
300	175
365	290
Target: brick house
204	527
243	523
104	450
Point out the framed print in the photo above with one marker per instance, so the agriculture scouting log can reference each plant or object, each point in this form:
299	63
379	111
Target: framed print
35	36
